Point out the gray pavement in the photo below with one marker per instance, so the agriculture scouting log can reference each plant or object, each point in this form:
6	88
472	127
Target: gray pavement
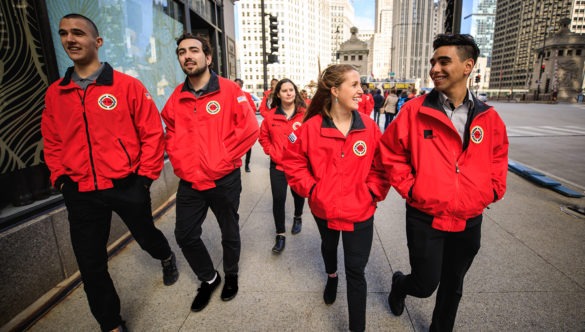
528	276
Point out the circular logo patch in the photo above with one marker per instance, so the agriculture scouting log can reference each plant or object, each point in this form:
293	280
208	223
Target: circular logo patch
296	125
212	107
476	134
107	102
360	148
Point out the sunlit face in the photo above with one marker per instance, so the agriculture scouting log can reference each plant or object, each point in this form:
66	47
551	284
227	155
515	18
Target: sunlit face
349	93
192	59
287	93
448	71
79	40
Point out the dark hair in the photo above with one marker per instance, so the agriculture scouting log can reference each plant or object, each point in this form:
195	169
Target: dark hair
91	23
466	46
277	102
332	76
239	80
204	42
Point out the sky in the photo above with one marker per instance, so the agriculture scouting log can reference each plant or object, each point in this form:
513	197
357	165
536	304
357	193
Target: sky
364	14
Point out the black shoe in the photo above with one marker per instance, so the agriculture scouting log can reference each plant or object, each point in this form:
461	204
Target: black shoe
279	245
330	293
395	299
204	294
230	287
247	168
170	271
297	225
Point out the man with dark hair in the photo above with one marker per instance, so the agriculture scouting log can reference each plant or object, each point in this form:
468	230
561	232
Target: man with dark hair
103	142
209	127
446	153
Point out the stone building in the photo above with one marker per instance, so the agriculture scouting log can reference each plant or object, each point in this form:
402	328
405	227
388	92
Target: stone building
355	52
559	68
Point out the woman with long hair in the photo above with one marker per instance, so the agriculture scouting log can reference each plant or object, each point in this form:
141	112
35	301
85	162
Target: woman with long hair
333	160
285	116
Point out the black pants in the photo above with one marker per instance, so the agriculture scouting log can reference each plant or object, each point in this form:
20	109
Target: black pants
192	207
248	155
356	250
439	258
377	115
90	215
389	117
278	185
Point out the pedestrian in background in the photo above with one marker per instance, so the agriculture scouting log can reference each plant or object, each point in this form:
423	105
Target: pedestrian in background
331	159
267	98
209	127
447	154
378	104
366	104
286	116
240	83
103	143
390	107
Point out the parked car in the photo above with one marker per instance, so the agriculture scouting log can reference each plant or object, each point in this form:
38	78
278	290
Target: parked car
482	97
257	102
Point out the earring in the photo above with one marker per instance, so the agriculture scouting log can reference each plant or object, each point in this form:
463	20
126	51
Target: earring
336	100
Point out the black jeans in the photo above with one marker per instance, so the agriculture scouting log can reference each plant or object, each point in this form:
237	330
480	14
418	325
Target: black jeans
192	207
248	155
90	215
356	250
278	185
438	258
377	115
389	117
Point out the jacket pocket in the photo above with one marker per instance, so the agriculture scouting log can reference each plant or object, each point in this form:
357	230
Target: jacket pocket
125	152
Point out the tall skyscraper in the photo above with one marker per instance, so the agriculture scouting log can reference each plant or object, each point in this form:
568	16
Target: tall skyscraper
483	22
578	16
342	19
413	29
521	28
304	34
382	39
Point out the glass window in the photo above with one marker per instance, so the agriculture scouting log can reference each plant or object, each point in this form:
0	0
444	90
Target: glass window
139	40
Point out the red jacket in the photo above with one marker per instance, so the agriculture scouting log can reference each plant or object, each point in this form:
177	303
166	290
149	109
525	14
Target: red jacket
108	131
264	107
366	105
435	172
250	101
275	130
206	136
339	174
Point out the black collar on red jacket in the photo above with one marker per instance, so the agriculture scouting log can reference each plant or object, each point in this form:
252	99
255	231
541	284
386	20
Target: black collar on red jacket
356	122
105	78
212	85
433	101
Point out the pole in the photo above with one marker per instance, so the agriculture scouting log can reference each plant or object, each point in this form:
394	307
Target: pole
264	64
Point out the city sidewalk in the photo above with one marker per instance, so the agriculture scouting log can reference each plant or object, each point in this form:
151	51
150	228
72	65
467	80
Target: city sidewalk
528	276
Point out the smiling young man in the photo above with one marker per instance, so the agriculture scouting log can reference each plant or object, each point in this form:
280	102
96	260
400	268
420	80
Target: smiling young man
103	142
447	154
209	127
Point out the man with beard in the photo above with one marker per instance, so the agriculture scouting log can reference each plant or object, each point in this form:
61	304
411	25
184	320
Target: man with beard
209	127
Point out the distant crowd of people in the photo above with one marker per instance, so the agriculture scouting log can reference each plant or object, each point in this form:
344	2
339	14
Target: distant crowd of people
444	152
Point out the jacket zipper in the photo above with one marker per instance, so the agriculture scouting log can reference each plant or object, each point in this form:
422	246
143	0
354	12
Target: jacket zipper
88	139
126	152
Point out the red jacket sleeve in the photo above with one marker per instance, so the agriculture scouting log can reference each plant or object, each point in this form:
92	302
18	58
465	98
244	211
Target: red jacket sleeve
264	139
377	180
296	163
53	145
395	153
250	101
245	128
149	129
500	158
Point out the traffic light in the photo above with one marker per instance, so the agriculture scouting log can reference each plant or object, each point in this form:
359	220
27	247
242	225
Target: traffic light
477	78
273	33
542	68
